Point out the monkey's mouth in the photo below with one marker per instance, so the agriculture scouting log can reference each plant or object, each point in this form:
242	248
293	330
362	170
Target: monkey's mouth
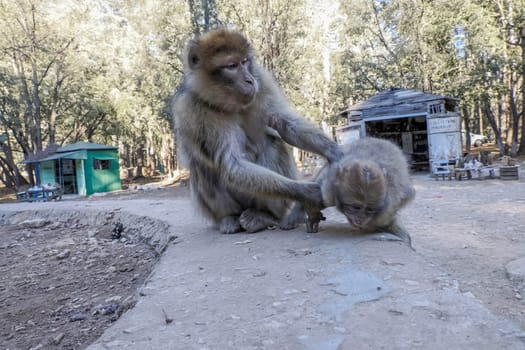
356	223
247	97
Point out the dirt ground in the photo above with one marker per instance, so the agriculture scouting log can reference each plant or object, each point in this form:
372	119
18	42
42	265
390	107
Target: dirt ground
472	229
63	282
66	276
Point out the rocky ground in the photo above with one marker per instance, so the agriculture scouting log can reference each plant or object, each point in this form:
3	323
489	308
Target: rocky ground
66	276
60	282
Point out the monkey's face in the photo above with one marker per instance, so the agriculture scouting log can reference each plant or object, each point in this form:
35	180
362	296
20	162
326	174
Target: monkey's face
359	214
234	72
360	192
219	66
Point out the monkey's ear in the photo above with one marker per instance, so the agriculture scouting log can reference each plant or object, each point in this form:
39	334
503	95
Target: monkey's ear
193	54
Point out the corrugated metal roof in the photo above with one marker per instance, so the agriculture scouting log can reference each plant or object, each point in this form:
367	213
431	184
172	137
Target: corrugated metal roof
399	101
84	146
67	155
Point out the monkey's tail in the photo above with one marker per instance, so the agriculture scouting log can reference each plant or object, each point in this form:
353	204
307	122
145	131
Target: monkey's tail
399	231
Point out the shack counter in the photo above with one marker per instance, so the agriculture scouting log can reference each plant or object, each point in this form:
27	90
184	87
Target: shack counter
82	168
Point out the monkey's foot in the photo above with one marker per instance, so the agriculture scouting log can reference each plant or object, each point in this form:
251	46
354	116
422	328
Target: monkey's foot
254	221
230	224
294	218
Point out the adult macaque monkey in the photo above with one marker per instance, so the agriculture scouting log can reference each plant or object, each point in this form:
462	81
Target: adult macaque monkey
368	185
232	123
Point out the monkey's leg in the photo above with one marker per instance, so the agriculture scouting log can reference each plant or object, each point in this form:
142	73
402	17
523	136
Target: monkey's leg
216	202
295	217
254	221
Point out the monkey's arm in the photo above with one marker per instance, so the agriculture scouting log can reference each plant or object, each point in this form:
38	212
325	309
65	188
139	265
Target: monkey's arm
300	133
249	177
293	128
224	149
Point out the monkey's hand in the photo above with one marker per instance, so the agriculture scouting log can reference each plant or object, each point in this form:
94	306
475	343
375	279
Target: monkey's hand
313	204
312	221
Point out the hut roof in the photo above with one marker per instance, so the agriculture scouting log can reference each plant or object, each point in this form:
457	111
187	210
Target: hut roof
397	101
79	146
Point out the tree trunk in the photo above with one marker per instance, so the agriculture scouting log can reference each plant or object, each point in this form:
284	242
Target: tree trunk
521	150
515	121
466	121
12	177
492	121
37	127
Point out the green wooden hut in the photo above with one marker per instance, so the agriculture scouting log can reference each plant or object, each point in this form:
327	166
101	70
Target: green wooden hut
82	168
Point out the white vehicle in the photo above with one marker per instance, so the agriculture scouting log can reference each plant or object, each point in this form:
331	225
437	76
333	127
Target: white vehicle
476	140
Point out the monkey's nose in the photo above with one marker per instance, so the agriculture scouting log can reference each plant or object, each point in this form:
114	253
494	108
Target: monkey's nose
249	81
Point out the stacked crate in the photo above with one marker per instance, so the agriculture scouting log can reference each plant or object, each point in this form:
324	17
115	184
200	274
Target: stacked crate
509	172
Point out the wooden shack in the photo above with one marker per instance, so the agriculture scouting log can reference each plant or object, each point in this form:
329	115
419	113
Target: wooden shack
426	126
82	168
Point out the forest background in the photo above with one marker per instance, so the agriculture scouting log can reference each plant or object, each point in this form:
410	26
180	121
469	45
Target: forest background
104	70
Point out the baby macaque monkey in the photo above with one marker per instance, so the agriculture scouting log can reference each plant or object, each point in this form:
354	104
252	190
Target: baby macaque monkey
368	185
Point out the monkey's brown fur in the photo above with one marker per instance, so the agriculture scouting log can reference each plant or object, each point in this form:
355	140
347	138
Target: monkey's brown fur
369	185
232	123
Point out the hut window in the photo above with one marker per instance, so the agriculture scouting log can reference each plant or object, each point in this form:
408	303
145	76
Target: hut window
100	164
436	108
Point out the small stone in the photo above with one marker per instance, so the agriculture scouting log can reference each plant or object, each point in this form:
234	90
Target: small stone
412	283
291	291
516	270
113	299
396	312
38	347
64	254
248	241
34	223
518	296
469	295
77	317
57	339
109	309
340	329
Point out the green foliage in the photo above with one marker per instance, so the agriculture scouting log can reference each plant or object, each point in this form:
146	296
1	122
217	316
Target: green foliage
104	70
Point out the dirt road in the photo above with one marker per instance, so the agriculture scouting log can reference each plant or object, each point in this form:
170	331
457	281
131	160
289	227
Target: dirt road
330	290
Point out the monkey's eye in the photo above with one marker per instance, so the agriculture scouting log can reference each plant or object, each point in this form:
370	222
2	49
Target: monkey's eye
231	66
370	211
353	207
245	61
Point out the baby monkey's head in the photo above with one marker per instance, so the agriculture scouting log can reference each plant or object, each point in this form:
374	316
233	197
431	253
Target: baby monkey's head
360	191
